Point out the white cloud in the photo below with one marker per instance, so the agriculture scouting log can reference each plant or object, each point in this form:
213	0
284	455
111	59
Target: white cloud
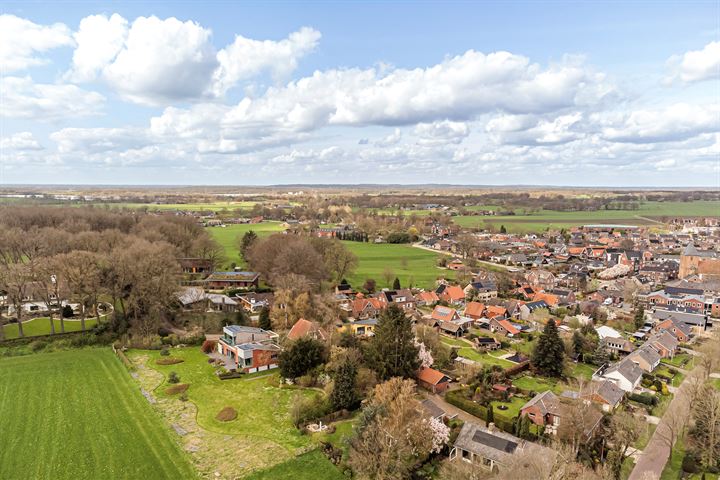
21	40
20	141
534	130
696	65
163	60
442	132
245	57
99	140
673	123
392	139
99	39
457	89
46	102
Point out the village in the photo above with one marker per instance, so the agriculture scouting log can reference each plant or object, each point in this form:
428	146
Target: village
592	339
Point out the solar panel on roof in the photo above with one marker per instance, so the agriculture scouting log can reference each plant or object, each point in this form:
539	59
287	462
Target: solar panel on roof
492	441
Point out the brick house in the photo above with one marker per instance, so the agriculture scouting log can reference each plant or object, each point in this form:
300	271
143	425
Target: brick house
432	380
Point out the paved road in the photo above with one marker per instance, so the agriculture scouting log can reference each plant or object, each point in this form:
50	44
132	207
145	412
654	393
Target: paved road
481	262
651	463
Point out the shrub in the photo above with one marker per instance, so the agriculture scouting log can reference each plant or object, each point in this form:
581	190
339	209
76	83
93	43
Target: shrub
179	388
306	381
37	345
183	397
173	377
304	410
67	311
165	352
168	361
229	375
163	332
689	463
644	398
227	414
208	346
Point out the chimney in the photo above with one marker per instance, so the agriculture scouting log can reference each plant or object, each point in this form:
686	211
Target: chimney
491	427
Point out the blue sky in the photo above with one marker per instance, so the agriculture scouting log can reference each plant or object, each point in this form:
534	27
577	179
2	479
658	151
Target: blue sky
552	93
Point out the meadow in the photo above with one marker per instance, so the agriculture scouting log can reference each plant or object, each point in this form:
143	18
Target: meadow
649	213
262	428
77	414
195	207
411	265
41	326
227	237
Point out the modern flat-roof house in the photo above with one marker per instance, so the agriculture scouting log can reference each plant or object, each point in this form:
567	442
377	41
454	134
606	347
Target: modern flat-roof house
219	280
252	349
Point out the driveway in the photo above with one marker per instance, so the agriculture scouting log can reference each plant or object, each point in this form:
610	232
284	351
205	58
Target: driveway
453	410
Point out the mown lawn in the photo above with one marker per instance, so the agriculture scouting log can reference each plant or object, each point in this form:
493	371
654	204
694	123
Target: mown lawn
263	423
411	265
41	326
227	237
674	465
77	414
538	385
310	466
484	358
514	406
682	360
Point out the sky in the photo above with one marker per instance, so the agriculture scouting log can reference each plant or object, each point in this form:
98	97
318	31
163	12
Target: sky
595	93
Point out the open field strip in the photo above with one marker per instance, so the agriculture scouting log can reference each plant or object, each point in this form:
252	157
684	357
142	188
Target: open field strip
77	414
227	237
41	326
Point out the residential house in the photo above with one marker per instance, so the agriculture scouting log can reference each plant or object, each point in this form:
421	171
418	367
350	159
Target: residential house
487	343
565	297
625	374
527	309
603	392
305	328
366	307
444	314
484	290
488	448
503	327
645	357
195	265
253	302
402	298
196	298
495	311
604	331
427	298
451	294
543	409
433	411
251	349
363	328
665	344
541	279
680	330
456	329
697	321
618	345
220	280
474	310
432	380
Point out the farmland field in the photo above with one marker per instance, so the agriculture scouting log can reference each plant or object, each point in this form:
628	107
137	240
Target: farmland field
262	434
41	326
77	414
409	264
209	206
650	211
227	237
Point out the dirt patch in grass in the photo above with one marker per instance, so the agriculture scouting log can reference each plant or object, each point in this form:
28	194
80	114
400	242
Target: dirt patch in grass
227	414
169	361
179	388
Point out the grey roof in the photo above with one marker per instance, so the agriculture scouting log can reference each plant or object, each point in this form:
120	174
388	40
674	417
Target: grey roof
698	319
647	353
666	339
607	390
432	409
494	445
258	346
546	401
627	368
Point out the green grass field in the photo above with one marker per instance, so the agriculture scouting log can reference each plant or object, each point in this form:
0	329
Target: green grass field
77	414
227	237
263	424
310	466
484	358
409	264
41	326
557	220
209	206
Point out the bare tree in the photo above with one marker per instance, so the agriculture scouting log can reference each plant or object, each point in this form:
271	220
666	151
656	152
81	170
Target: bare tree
706	413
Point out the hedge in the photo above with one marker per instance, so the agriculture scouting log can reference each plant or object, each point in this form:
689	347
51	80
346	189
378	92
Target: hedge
644	398
456	397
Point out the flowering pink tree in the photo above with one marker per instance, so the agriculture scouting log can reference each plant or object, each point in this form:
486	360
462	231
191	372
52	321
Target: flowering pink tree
424	354
440	433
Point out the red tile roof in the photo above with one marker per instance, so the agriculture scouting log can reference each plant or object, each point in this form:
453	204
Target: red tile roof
431	376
